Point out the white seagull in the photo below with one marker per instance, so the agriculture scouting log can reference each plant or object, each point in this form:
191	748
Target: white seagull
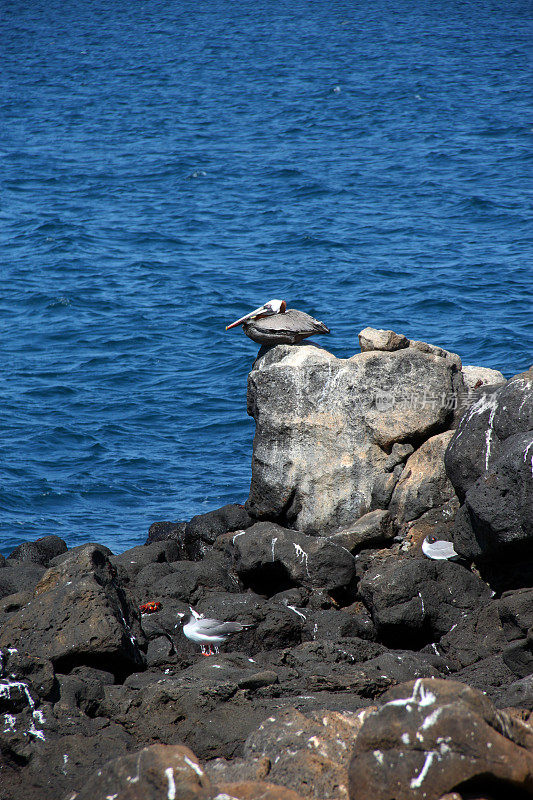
210	633
438	549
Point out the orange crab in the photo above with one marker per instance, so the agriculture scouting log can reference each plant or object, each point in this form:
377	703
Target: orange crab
150	608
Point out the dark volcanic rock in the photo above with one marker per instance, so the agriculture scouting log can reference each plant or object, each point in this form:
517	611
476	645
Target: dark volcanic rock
203	529
77	614
337	624
73	553
370	530
398	666
135	559
189	580
430	737
466	455
18	577
500	502
41	551
362	668
269	559
140	567
37	673
274	625
490	647
490	463
69	756
516	614
313	656
475	636
164	531
207	706
83	689
518	694
146	579
414	601
497	413
488	675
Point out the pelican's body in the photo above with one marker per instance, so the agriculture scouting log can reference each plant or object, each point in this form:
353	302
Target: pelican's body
274	323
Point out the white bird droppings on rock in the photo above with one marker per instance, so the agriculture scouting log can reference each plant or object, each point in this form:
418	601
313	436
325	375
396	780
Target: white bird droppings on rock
171	794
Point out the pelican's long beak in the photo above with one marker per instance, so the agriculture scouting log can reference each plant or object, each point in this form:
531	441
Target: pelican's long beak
251	315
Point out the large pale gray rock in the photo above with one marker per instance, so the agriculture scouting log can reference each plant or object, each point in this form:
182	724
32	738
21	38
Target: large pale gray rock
325	428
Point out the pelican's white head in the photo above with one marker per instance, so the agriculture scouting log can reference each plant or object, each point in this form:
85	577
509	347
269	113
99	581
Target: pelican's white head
266	310
275	306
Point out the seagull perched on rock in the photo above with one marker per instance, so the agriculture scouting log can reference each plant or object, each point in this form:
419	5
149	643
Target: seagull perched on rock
274	323
439	549
210	633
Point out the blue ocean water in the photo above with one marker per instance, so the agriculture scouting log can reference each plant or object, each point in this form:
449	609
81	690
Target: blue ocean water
166	167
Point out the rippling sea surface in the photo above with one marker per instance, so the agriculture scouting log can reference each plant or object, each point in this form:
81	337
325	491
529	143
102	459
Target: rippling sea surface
166	168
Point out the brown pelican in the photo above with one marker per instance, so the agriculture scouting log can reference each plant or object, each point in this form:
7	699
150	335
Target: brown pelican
274	323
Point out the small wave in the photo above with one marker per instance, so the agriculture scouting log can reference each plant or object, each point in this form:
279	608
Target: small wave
477	203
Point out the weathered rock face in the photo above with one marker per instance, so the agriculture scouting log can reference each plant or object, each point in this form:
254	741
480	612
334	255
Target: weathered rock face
423	484
150	774
92	617
308	753
325	428
430	737
370	530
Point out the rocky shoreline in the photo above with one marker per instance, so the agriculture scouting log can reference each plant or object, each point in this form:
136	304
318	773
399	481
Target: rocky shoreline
368	671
